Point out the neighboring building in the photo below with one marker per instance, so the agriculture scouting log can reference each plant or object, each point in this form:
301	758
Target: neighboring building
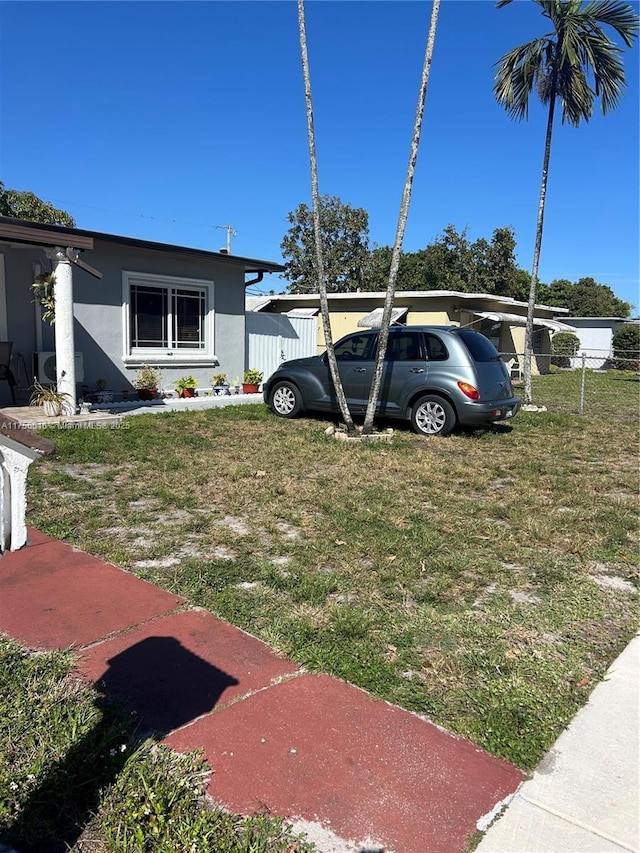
596	338
120	303
501	319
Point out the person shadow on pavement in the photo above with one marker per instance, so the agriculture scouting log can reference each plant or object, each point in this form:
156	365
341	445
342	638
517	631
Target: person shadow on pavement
148	690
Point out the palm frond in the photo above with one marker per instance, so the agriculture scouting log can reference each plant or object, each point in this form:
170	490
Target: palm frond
608	72
517	74
576	96
615	14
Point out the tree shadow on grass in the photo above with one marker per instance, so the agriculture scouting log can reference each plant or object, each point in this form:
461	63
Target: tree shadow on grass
149	689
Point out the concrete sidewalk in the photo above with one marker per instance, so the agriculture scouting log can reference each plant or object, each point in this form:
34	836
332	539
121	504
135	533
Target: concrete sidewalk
357	773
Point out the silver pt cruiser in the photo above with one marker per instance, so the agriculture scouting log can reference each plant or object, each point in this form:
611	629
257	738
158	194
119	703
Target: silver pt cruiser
435	377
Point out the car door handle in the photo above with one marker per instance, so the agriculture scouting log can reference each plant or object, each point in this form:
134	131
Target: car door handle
417	370
359	370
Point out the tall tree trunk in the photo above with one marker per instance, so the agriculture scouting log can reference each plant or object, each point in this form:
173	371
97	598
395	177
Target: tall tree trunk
533	290
315	200
383	338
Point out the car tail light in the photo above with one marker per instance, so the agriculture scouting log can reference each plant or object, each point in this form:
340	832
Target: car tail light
469	390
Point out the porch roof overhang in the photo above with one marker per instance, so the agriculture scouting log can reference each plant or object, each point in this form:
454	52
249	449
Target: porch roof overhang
35	233
519	320
373	319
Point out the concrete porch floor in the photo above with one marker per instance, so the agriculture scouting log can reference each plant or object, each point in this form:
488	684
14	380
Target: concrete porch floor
112	414
32	417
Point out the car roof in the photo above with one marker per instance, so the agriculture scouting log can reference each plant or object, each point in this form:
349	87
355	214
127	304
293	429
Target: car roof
421	328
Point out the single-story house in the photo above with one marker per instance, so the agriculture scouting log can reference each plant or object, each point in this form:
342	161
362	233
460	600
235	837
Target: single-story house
502	319
596	338
120	303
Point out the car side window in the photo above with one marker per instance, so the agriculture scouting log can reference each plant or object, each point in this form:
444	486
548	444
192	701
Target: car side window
405	346
436	350
355	348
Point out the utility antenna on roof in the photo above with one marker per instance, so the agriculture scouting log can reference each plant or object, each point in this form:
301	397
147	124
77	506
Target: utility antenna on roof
231	232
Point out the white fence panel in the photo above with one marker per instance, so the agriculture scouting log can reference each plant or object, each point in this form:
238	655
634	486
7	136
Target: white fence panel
274	338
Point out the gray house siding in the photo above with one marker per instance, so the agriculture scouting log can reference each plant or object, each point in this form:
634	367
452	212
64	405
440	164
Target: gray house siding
100	321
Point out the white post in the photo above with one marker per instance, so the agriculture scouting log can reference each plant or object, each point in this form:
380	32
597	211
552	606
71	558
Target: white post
15	459
65	344
584	370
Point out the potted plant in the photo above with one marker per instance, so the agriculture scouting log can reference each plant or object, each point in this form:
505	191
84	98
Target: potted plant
219	383
146	382
251	381
49	398
186	386
236	386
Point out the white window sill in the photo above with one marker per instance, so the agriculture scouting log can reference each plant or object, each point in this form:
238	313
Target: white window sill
176	360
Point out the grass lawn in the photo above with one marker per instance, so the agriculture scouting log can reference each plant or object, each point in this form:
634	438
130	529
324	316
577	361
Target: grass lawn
486	580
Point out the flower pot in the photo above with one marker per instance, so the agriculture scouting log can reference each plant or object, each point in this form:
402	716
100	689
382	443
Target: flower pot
147	393
52	408
249	388
188	392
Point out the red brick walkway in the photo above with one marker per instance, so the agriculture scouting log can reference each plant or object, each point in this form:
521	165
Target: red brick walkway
302	746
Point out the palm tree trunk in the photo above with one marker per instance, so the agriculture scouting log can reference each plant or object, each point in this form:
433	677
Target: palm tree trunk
383	338
533	290
315	199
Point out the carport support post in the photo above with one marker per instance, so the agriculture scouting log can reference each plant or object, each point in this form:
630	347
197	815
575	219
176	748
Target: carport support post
65	345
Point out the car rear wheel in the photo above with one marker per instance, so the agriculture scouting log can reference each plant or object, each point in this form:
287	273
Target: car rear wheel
432	415
285	400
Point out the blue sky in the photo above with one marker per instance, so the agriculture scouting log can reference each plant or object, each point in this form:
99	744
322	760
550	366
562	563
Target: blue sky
163	120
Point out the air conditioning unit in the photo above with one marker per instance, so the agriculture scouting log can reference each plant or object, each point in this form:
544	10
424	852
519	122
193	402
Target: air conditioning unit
44	367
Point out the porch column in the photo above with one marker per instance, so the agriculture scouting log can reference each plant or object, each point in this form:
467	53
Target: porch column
65	343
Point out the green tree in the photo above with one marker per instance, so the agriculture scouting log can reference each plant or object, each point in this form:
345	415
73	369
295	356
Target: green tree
501	267
559	66
374	394
585	298
376	272
317	233
25	205
449	262
344	232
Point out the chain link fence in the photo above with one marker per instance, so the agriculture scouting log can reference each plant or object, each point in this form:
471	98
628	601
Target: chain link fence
582	364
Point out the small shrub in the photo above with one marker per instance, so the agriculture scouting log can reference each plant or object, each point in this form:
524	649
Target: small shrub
564	346
626	348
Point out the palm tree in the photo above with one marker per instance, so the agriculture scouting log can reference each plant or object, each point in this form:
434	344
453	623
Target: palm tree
383	338
560	65
315	199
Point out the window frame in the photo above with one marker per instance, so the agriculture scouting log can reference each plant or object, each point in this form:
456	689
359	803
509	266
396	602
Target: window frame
170	355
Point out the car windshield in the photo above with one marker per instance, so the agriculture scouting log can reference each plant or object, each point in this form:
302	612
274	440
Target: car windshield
481	348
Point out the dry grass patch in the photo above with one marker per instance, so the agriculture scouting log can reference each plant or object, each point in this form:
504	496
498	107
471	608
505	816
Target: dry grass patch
431	572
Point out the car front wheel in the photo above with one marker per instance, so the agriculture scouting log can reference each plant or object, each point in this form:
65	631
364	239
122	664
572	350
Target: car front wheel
433	415
285	400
